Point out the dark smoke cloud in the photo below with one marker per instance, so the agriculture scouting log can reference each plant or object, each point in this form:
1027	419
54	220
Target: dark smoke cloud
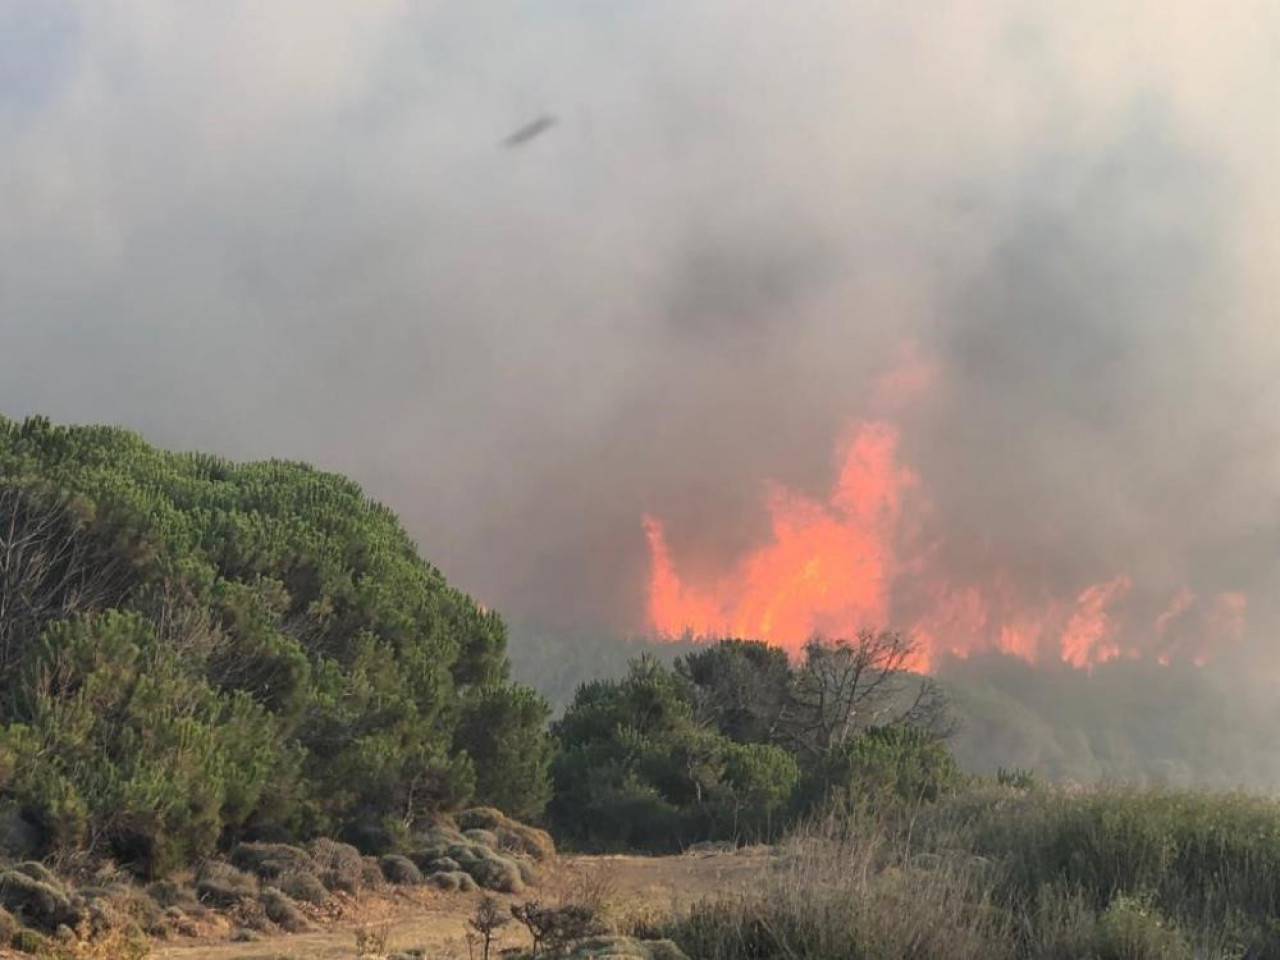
291	229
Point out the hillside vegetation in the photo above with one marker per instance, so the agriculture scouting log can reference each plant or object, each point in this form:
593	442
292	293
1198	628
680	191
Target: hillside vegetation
1001	872
1133	720
194	652
734	742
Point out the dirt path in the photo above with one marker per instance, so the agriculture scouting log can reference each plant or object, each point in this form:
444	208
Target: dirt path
437	921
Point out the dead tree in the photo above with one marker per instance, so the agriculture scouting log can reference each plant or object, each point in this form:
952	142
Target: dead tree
845	686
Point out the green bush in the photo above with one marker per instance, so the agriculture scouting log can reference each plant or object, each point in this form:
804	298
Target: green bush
210	651
734	743
502	729
883	764
758	786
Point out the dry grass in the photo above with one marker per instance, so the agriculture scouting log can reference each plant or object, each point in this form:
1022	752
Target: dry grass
829	894
1106	874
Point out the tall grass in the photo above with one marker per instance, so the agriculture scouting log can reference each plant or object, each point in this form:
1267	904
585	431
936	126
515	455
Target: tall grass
996	872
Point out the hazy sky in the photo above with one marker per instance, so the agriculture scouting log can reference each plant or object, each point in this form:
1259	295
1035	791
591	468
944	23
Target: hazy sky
290	228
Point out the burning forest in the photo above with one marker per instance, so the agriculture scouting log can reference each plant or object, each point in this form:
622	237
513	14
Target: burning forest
867	555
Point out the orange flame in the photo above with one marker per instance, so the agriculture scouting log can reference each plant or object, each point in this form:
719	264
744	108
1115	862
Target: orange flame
854	562
827	567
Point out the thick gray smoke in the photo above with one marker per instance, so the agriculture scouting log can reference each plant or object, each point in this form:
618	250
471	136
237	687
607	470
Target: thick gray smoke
293	228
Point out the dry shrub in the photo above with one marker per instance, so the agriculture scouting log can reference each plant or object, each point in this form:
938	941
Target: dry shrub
372	939
174	894
480	818
219	884
528	872
124	906
441	833
496	873
400	870
439	865
486	838
115	944
556	927
36	902
38	871
371	874
304	887
8	926
270	860
507	834
282	910
625	948
482	861
339	865
26	940
831	897
452	881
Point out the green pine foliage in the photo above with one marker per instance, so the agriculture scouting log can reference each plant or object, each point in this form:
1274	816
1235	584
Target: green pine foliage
193	650
735	743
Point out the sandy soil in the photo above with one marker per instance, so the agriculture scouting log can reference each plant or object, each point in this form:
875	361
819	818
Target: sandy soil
437	921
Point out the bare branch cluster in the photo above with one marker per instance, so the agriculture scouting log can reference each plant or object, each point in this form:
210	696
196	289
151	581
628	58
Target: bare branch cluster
52	566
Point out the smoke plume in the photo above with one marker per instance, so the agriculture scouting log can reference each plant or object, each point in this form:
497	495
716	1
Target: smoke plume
1033	243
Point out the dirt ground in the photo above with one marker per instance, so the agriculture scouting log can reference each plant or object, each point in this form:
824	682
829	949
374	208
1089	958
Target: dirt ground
631	886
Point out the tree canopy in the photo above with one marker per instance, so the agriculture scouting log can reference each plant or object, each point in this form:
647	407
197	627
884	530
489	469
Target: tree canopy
193	650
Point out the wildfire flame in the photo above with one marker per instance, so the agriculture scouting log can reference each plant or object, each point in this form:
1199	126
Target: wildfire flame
857	562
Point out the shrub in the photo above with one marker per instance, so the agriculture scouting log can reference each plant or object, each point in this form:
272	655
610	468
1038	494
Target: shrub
19	837
371	874
1016	778
477	818
452	881
525	841
8	927
758	784
400	870
124	906
340	865
883	764
492	827
170	893
528	872
503	729
37	903
556	928
38	871
626	948
270	860
282	910
194	649
303	886
26	940
440	865
485	838
496	873
219	884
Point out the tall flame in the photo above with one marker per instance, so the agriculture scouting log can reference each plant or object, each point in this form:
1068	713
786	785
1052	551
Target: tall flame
856	561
